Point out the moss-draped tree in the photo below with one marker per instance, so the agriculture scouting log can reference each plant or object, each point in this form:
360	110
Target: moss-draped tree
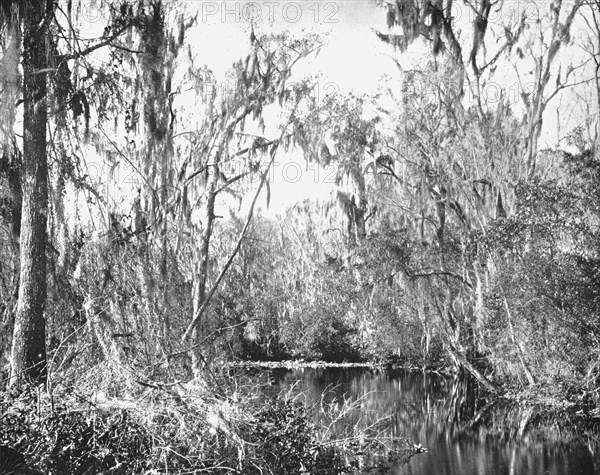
33	33
28	354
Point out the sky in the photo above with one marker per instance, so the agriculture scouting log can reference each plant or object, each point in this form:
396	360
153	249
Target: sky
352	57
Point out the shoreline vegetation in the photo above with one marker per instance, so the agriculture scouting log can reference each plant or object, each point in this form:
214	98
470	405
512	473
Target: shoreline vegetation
140	252
531	394
241	424
237	425
529	397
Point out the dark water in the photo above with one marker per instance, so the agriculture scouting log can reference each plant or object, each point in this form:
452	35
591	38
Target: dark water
438	413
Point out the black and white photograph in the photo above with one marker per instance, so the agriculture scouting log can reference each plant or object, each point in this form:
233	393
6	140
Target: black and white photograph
309	237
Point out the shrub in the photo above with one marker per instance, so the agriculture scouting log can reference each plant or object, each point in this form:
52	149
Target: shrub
177	433
61	440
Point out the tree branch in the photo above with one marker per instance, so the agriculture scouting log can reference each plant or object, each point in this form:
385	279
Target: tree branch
100	44
235	252
430	273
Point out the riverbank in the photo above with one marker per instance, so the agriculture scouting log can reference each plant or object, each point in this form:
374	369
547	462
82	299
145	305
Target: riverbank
297	364
222	425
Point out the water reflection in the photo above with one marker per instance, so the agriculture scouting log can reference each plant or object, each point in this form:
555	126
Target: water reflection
445	415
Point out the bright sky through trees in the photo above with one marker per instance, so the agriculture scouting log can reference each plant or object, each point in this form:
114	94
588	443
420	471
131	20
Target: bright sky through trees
353	58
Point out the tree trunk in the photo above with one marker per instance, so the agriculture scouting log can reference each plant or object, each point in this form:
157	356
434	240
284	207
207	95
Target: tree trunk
464	362
517	343
201	277
539	99
28	354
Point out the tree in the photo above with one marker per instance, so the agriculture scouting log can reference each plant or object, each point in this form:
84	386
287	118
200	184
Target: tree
28	354
544	290
553	36
194	147
454	163
592	48
435	22
336	132
260	80
10	168
39	29
540	37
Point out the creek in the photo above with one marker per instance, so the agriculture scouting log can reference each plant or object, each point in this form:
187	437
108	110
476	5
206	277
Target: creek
464	433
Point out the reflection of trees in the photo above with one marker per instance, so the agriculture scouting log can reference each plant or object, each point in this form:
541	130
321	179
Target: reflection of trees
463	432
406	400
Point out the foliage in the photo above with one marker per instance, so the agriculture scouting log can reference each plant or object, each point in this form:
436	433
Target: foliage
320	329
549	278
178	431
289	441
60	440
441	245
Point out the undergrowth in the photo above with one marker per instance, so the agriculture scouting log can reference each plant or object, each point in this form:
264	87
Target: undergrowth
178	429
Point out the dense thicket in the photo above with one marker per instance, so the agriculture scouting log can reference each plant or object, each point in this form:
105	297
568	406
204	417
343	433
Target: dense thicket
449	241
136	256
